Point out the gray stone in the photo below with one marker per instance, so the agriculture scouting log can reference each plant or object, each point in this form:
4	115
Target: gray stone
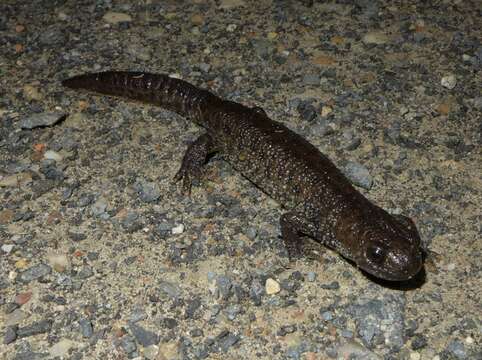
99	207
232	312
371	314
143	336
41	120
148	191
192	307
30	355
128	344
137	315
327	316
334	285
256	291
226	339
348	334
39	327
86	328
35	272
358	175
170	289
10	335
223	286
86	272
457	349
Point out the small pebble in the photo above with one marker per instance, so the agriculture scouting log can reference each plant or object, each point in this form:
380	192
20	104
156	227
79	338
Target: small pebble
311	276
41	120
376	38
112	17
272	286
86	272
128	344
7	248
23	298
178	229
143	336
86	328
151	352
231	27
148	191
359	175
53	155
39	327
10	335
457	349
327	316
35	272
226	339
326	110
449	81
32	93
99	207
415	356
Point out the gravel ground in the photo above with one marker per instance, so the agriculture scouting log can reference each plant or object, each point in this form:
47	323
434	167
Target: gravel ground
102	257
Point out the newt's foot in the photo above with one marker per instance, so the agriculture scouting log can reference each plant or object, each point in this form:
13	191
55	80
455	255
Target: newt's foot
192	167
188	175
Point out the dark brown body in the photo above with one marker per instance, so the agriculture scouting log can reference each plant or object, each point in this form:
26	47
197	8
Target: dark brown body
321	202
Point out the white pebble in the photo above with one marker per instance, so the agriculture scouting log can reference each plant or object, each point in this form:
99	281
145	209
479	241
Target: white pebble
326	110
449	81
231	27
7	248
272	287
179	229
414	356
53	155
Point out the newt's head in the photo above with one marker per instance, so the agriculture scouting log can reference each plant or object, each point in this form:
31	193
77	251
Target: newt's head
389	249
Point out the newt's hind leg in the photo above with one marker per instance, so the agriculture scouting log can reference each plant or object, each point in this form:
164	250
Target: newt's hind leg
193	161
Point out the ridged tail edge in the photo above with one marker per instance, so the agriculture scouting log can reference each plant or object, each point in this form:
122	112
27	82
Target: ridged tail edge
158	89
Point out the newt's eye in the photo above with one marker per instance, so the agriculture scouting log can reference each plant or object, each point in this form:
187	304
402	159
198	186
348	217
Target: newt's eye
376	254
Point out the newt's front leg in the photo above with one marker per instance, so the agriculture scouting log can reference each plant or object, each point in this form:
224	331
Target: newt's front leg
293	226
193	161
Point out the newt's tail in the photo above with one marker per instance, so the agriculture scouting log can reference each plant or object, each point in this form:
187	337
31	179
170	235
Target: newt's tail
170	93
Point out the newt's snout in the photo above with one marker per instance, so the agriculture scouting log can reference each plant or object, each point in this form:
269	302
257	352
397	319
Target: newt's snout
392	263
